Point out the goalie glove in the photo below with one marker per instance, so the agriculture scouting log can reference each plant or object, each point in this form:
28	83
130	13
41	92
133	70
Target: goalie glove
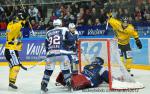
138	43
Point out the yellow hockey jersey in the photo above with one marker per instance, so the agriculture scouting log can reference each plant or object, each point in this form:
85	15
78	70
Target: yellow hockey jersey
14	35
123	35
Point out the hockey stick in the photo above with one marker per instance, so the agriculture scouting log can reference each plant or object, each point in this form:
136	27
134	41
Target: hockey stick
38	63
41	62
32	31
25	68
106	26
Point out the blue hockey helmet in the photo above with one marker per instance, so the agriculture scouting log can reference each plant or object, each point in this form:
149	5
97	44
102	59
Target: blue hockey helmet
98	60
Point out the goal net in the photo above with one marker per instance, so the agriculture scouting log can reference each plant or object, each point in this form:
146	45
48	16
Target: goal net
107	49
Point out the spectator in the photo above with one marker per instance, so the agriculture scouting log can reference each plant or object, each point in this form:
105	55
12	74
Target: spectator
57	12
49	25
1	9
90	22
137	14
87	16
80	17
63	10
109	5
114	13
120	13
102	16
69	18
69	8
75	9
34	24
53	17
126	13
97	22
33	12
3	25
145	13
41	25
2	13
94	14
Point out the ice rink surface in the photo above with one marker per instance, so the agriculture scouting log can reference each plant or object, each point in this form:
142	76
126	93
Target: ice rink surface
28	82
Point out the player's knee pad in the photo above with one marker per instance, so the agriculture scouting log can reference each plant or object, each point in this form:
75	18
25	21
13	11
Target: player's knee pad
50	66
64	66
128	54
13	73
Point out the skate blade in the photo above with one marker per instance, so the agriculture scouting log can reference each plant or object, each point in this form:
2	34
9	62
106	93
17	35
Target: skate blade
42	92
70	89
12	89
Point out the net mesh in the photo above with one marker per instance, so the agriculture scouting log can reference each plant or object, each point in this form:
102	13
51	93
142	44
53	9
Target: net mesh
107	49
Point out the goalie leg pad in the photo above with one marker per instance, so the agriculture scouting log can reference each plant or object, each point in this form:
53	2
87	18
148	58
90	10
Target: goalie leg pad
80	82
60	79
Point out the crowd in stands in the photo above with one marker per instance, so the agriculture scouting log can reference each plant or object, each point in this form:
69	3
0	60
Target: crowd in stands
85	13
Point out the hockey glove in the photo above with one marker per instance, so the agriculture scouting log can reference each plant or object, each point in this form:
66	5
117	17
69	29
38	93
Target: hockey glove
138	43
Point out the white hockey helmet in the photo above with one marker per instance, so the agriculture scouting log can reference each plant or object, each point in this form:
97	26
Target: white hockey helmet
57	22
71	25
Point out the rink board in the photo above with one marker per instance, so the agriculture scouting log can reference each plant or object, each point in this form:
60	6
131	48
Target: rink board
34	51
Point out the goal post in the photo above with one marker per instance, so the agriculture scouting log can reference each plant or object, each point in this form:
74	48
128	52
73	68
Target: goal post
119	78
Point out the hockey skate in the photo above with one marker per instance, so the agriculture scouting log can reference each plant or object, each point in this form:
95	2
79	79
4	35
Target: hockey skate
44	88
130	72
13	86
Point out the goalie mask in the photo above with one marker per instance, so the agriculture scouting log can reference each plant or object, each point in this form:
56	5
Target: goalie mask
98	60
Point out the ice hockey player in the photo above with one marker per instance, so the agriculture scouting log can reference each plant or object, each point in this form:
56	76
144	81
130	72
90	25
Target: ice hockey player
73	47
55	49
92	75
13	46
123	32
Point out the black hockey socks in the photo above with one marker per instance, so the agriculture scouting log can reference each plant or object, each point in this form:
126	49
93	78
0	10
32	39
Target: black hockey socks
45	80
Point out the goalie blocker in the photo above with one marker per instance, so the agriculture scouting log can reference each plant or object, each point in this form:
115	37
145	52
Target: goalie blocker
92	76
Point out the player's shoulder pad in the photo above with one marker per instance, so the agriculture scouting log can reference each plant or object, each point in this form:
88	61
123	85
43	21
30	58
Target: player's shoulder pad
11	22
65	28
49	31
131	27
76	32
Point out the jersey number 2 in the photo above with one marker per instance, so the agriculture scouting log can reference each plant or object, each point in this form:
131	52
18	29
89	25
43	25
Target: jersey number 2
54	40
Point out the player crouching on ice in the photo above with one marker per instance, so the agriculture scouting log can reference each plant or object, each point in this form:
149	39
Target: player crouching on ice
92	76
